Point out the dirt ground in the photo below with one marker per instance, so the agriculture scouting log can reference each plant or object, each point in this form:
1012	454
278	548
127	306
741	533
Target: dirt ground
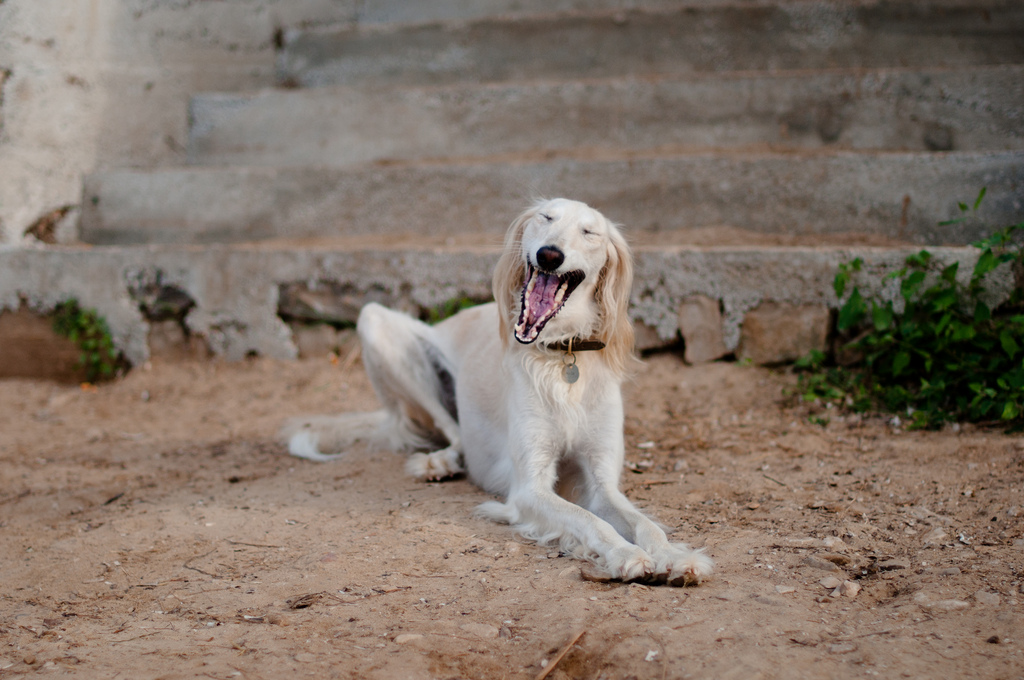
154	528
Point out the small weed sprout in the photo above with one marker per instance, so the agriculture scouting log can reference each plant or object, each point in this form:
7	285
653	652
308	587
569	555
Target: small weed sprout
449	308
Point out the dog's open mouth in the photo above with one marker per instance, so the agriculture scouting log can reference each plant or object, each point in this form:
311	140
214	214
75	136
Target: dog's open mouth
543	295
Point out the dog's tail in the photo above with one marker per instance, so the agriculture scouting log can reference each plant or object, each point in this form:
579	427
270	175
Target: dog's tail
310	436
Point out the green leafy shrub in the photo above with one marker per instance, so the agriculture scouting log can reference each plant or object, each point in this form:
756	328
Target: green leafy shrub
89	331
945	356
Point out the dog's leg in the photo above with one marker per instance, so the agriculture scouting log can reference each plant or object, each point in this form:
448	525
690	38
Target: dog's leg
416	383
675	563
545	517
539	514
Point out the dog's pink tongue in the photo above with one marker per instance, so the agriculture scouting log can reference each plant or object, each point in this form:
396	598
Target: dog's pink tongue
542	298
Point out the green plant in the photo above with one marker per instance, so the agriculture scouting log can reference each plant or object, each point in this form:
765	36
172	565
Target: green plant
819	420
89	331
943	354
449	308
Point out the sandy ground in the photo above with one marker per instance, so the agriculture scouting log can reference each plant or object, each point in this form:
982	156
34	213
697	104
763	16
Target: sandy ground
154	528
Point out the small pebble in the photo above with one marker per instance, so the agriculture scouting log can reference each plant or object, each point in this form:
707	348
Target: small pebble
849	589
830	582
569	573
834	543
407	637
987	598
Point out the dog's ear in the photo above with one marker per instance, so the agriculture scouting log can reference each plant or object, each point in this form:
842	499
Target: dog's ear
509	273
613	291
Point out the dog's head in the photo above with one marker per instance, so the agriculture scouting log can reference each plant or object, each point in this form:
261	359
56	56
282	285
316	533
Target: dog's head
565	271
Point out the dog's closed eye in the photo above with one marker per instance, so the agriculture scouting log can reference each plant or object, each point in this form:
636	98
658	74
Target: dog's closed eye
547	217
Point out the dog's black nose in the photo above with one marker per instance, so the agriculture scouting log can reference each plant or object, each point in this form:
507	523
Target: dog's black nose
550	258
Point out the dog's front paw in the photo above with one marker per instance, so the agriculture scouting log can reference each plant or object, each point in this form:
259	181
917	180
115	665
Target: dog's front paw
629	563
678	565
436	465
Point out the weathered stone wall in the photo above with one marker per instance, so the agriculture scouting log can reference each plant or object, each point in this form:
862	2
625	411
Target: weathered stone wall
234	298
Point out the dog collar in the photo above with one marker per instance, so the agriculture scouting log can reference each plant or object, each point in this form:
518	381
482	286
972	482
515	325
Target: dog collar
576	345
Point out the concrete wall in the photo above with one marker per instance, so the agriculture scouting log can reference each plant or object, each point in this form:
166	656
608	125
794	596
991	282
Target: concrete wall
93	84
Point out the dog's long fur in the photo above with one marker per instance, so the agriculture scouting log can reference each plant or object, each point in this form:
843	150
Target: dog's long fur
476	394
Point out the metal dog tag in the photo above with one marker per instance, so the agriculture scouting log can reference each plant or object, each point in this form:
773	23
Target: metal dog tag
570	373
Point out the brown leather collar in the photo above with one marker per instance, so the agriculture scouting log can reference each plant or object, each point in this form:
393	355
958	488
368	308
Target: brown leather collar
578	345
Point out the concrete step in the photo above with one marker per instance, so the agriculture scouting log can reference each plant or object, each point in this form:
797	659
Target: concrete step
680	40
236	290
978	108
372	12
899	195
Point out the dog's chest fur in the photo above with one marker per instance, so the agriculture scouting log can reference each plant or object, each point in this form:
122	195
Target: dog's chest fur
571	411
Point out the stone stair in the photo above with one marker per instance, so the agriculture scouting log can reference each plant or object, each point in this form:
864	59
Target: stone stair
396	152
896	109
673	38
898	195
799	118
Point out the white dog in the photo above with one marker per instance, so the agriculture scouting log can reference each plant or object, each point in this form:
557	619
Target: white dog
523	394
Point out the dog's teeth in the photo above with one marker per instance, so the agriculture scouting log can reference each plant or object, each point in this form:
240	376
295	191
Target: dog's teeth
532	283
561	293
